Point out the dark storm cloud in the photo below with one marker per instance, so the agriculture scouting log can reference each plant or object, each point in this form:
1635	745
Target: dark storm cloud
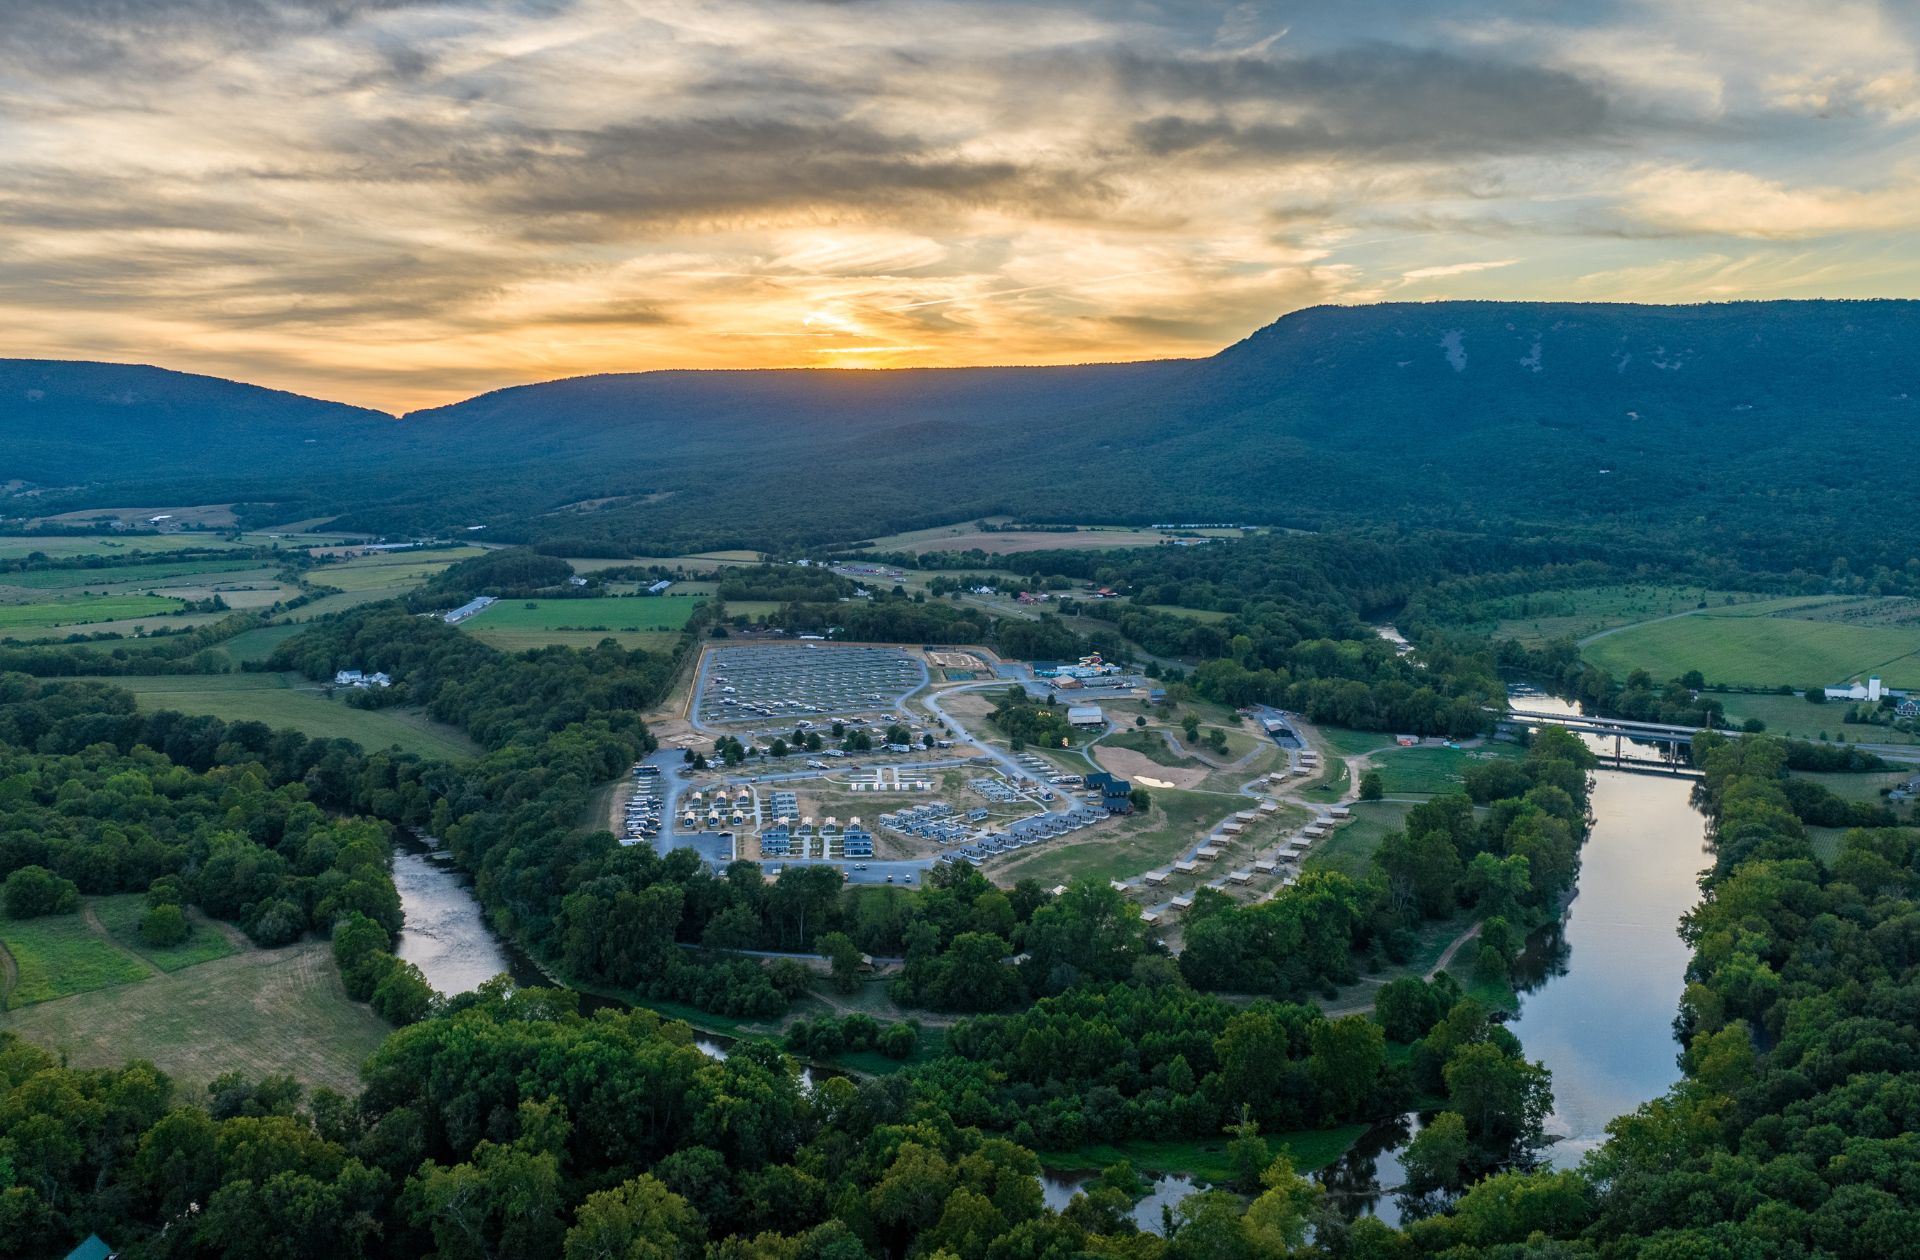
1376	101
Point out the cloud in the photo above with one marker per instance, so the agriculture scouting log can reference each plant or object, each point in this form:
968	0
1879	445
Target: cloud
403	201
1739	203
1455	269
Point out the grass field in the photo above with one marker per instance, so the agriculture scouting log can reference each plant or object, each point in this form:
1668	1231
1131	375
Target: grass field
1793	717
969	537
394	571
61	954
1129	847
1349	850
1429	770
1745	647
1864	788
254	1011
257	645
1538	617
288	700
515	625
120	917
141	575
1196	614
76	610
16	546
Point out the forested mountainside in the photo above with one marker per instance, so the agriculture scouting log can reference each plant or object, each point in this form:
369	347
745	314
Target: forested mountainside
1740	427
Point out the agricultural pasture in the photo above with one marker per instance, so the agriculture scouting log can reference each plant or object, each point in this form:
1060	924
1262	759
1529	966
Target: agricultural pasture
80	610
969	537
255	1011
1537	617
288	700
65	547
1803	642
635	622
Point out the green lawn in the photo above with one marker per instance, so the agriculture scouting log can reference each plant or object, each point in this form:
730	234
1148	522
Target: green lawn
1128	847
121	915
1431	770
1346	743
639	621
76	610
1793	717
1859	787
288	700
1350	848
1758	650
1150	744
60	954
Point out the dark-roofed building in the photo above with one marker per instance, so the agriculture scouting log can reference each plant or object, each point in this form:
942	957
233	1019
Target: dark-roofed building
1115	794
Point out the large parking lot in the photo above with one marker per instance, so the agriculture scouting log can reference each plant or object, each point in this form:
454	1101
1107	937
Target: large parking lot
749	684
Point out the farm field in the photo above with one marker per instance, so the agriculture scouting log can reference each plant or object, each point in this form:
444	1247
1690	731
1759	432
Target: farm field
1793	717
1752	648
254	1011
79	610
392	572
515	625
257	645
17	546
142	576
968	537
1536	618
288	700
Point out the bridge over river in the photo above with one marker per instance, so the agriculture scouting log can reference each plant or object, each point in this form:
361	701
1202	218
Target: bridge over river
1665	738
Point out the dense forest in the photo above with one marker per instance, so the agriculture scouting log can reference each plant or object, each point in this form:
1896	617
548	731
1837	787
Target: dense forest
1732	427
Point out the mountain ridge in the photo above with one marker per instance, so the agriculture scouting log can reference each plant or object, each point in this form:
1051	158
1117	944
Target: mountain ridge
1433	414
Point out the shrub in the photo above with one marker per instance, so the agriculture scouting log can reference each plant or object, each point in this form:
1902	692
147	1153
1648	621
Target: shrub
165	926
33	891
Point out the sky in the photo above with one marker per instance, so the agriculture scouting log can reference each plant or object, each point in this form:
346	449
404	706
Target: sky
400	203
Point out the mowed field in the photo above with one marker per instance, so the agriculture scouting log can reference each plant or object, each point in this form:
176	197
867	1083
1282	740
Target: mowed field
1536	618
1799	642
83	986
635	622
17	546
289	700
34	619
969	537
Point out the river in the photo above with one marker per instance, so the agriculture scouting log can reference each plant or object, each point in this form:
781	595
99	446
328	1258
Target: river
1598	993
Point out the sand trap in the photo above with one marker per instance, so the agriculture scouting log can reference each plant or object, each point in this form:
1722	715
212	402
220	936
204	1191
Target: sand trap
1129	764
